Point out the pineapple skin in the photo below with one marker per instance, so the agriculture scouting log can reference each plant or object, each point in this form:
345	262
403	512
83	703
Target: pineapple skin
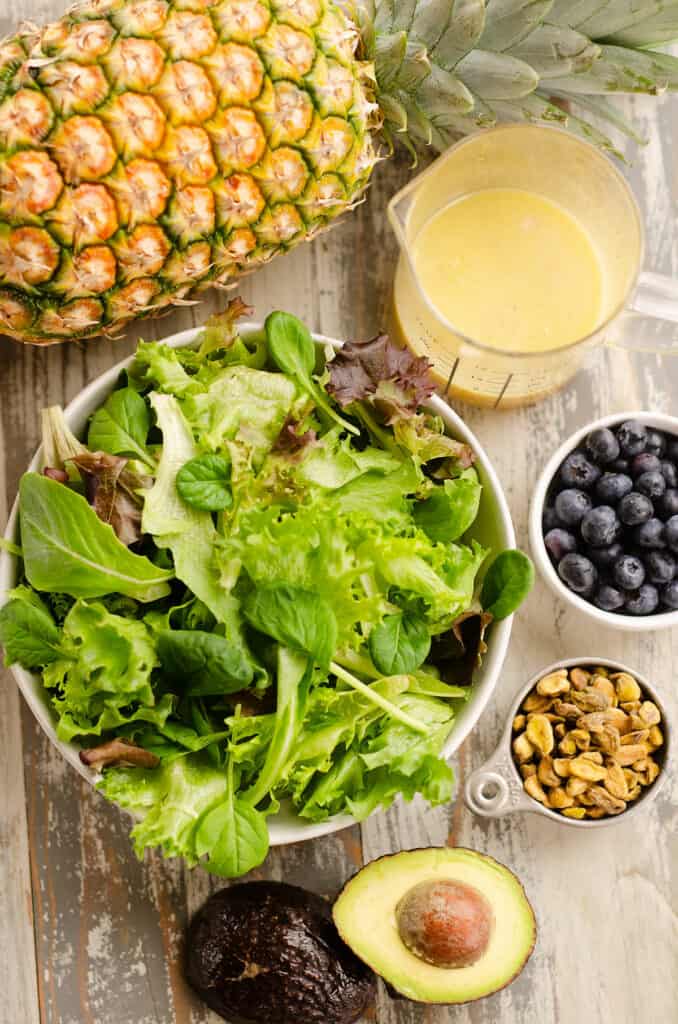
150	148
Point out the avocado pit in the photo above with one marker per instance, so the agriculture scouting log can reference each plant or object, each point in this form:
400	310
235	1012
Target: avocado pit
447	923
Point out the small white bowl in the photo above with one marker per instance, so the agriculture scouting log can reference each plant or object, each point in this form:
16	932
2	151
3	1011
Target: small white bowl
630	623
493	528
496	788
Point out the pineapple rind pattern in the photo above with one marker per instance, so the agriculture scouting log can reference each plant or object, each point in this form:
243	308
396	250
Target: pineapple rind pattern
149	148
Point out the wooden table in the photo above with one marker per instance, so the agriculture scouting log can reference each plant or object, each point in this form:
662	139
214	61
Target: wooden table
88	935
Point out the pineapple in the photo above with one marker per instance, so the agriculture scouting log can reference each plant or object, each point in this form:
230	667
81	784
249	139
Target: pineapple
149	148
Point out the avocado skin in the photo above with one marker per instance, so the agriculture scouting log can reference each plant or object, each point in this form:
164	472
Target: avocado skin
269	953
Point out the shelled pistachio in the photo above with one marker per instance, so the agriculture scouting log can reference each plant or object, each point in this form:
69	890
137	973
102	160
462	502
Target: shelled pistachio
585	741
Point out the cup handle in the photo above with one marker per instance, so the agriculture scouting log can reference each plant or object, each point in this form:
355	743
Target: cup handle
493	789
654	304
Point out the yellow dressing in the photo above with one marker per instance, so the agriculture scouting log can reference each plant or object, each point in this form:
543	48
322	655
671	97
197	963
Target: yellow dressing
511	269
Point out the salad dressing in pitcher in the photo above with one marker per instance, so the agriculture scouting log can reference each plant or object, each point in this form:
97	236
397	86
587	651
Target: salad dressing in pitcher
512	269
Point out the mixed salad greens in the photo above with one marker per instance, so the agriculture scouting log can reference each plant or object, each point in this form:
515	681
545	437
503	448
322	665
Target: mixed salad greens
254	584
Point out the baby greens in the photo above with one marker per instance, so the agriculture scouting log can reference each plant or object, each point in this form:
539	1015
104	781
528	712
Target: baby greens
203	482
399	644
68	549
121	426
507	582
297	598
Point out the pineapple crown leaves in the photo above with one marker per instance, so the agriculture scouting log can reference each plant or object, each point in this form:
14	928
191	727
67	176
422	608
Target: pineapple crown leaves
446	67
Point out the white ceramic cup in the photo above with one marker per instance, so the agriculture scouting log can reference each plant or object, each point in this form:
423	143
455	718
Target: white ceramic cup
496	788
630	623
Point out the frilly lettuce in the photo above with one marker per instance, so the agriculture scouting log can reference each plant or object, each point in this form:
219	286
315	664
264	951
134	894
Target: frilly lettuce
103	678
288	645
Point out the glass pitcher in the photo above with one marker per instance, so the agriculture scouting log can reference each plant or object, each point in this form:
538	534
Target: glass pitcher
639	309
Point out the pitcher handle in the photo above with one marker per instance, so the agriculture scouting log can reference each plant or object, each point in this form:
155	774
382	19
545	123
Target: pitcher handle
650	321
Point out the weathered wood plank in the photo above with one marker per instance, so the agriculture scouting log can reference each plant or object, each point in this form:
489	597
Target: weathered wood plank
17	944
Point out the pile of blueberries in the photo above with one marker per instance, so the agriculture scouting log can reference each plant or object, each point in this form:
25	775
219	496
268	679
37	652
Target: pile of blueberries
611	520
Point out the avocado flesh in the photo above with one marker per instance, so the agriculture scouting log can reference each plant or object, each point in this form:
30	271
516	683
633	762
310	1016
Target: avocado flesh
365	916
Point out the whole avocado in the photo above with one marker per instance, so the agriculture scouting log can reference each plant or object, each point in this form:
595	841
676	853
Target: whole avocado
269	953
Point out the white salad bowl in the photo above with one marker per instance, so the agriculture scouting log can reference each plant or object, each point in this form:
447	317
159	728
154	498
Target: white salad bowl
493	528
641	624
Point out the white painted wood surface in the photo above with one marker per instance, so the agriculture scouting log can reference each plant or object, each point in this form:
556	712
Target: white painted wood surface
90	936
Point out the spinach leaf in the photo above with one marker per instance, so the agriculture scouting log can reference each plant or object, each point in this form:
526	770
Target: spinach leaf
450	509
207	664
67	549
295	617
233	835
399	644
292	349
203	482
508	580
121	425
28	632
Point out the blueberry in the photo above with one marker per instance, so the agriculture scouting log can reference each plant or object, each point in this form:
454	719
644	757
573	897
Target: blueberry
644	463
671	533
604	558
632	436
667	505
613	486
577	471
559	543
634	508
655	442
660	566
652	484
629	572
549	519
578	573
670	473
619	466
643	602
670	595
571	506
672	449
602	446
600	526
650	534
608	598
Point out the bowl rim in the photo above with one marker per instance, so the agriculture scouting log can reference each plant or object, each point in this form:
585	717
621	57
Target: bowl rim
285	827
502	760
643	623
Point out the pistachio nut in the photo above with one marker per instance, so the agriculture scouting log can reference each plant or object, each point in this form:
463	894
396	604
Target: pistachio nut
534	788
626	686
540	734
554	684
583	768
523	749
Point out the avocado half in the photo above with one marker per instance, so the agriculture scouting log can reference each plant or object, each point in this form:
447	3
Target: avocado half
269	953
411	916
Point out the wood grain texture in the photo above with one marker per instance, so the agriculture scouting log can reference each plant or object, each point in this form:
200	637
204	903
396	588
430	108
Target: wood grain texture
88	935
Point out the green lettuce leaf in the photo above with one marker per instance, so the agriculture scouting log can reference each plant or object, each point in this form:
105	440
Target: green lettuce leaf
450	509
28	632
121	427
67	549
188	532
103	679
242	404
170	800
